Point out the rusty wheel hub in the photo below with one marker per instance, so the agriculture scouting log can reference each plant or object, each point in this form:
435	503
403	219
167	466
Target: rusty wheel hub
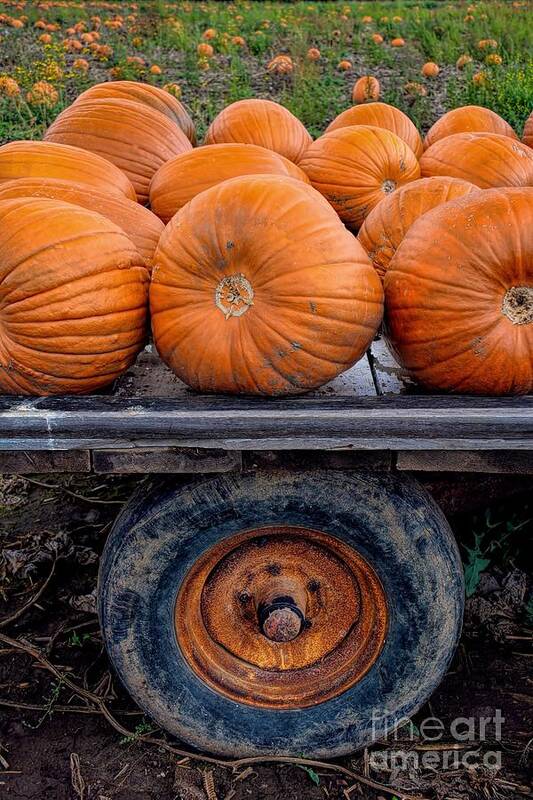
281	617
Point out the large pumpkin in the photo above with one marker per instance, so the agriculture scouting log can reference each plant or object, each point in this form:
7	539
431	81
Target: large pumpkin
146	93
186	175
73	296
487	159
270	294
459	295
385	227
527	135
468	119
134	137
261	122
49	160
137	222
356	167
381	115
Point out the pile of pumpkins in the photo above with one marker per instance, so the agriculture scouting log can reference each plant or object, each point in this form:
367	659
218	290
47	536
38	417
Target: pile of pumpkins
265	260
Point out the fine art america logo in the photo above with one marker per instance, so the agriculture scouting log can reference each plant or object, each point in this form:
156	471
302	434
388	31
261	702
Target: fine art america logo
434	745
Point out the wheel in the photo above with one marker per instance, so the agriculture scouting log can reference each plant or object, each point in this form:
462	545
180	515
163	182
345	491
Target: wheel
281	612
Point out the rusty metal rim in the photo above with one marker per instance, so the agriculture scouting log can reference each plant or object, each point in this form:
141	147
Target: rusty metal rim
218	617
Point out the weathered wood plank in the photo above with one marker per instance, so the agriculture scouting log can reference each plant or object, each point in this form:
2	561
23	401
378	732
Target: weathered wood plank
165	460
389	377
399	422
489	461
25	462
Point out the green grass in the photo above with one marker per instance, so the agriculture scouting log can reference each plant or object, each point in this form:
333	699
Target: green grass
167	34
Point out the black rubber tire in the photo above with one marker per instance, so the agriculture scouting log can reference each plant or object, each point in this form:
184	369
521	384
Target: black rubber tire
391	521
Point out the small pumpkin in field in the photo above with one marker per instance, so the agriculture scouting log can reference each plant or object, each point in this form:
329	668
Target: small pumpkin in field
387	224
463	60
468	119
35	159
487	159
262	122
430	69
381	115
344	65
73	292
356	167
164	100
365	89
269	295
527	135
313	54
138	223
186	175
205	50
281	65
135	137
398	42
459	295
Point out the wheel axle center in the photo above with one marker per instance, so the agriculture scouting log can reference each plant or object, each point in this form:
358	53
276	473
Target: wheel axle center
281	620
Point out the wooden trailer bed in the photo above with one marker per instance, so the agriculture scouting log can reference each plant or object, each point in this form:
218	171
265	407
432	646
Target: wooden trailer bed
151	422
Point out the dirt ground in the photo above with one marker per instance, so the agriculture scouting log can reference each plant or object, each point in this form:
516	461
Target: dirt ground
56	744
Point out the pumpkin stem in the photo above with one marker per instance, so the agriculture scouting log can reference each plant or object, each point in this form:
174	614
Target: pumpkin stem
234	295
388	186
517	305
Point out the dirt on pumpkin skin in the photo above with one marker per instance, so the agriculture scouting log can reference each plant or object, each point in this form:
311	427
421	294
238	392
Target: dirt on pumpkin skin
50	754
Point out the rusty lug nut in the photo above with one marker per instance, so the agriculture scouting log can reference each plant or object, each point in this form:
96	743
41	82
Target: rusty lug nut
281	620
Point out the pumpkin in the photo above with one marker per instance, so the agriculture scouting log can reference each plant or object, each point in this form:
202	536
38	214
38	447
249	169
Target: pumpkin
344	65
313	54
398	42
281	65
138	223
365	89
73	294
205	50
183	177
160	99
356	167
49	160
387	224
269	295
261	122
430	69
381	115
527	135
475	119
459	295
463	60
486	159
136	138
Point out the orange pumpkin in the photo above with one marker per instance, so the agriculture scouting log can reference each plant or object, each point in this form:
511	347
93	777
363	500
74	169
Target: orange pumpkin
73	294
138	223
185	176
365	89
356	167
486	159
385	227
459	295
527	135
281	65
465	119
398	42
270	294
381	115
261	122
153	96
49	160
463	60
430	69
136	138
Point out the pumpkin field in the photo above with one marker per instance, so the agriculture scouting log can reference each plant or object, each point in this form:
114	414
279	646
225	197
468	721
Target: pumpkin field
266	374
